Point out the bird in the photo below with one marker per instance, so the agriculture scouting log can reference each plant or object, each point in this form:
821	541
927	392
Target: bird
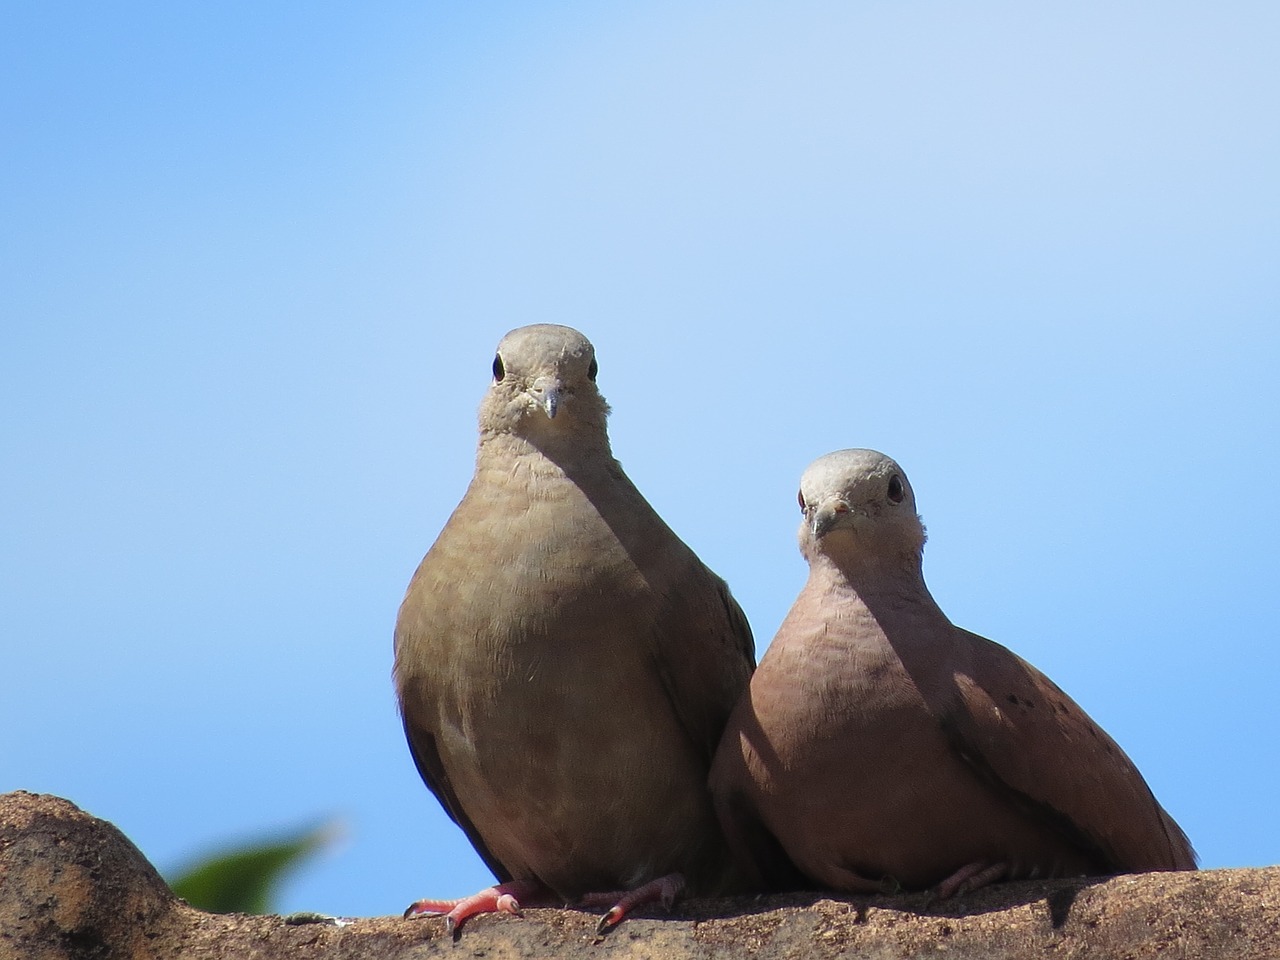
880	748
564	663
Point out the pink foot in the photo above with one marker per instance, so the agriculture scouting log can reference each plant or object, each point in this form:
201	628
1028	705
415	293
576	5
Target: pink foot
503	898
971	877
664	890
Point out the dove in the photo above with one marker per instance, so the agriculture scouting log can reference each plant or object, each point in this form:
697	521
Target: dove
880	747
564	663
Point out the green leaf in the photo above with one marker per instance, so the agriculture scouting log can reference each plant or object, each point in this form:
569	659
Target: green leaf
245	879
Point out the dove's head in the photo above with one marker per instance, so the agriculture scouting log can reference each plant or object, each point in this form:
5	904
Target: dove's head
544	385
859	507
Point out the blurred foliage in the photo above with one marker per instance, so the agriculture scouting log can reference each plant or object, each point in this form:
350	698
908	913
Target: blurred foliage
245	879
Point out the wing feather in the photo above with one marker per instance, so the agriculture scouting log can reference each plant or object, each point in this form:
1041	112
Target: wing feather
1024	735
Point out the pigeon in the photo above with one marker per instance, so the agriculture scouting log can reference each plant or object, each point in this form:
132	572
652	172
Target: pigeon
564	663
882	748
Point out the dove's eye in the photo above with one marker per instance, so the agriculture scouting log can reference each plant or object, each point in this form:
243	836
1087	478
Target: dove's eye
896	489
800	497
593	369
499	371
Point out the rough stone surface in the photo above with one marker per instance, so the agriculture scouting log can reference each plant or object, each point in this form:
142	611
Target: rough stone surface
74	887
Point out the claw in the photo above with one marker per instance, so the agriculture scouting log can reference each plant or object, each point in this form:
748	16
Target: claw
609	921
428	908
503	898
664	890
971	877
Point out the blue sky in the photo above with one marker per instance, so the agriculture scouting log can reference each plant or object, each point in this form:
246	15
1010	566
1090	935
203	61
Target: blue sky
254	260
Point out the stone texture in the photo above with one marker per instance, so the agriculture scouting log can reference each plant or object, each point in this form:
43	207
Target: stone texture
74	888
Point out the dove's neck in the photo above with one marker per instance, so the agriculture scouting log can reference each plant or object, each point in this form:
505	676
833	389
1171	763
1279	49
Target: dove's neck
890	588
575	453
885	616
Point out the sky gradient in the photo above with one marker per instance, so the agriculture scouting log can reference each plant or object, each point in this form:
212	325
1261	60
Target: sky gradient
255	260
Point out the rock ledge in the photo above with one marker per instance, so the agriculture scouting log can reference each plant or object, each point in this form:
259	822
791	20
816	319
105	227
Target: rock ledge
74	887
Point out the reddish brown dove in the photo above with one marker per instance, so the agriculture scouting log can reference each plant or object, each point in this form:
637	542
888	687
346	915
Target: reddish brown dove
565	665
880	747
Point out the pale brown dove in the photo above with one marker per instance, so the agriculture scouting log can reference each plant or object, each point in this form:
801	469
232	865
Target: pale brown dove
881	747
564	663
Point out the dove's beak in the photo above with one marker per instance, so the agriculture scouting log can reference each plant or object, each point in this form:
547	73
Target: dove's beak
827	517
546	390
